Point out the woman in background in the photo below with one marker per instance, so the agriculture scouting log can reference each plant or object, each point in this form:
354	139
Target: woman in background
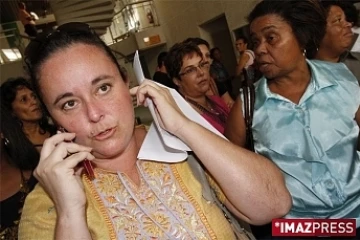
130	198
339	38
306	113
215	88
18	159
18	97
190	71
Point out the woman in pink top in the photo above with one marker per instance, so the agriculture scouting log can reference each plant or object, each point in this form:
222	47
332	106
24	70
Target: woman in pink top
190	72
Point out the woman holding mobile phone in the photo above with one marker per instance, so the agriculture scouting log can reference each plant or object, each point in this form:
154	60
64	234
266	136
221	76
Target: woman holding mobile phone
86	92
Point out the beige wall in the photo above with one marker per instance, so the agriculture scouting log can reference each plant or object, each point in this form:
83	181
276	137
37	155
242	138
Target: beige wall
11	70
181	19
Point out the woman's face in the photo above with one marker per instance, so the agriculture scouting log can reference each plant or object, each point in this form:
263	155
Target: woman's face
26	106
276	48
84	93
339	36
194	76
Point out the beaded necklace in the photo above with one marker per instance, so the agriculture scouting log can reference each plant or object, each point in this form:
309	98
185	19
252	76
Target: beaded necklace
215	112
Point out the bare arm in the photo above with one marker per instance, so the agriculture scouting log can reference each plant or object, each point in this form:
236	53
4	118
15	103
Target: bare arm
253	194
357	118
236	133
72	226
235	125
241	64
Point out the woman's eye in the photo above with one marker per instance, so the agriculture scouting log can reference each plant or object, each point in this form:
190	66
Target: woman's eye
104	88
191	70
271	39
23	99
337	20
69	105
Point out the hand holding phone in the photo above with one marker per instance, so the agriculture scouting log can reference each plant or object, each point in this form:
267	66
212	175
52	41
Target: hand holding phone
89	170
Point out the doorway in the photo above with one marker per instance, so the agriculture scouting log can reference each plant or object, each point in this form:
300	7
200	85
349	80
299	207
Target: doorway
217	33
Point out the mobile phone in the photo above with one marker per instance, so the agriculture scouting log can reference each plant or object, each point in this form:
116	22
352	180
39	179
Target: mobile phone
88	167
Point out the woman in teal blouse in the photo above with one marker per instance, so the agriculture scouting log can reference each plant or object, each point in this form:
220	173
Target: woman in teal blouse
306	114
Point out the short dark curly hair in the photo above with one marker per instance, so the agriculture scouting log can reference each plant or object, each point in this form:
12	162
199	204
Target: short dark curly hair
161	59
176	54
306	18
197	41
242	37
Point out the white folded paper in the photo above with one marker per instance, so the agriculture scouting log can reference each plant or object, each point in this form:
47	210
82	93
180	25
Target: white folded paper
160	145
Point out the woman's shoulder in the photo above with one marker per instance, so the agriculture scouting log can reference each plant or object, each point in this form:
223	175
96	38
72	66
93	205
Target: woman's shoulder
332	69
37	198
248	51
38	214
335	74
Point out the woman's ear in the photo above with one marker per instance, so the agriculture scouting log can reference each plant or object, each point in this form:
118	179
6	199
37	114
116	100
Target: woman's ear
177	82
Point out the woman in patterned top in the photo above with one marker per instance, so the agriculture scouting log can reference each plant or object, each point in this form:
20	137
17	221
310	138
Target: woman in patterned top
86	92
18	159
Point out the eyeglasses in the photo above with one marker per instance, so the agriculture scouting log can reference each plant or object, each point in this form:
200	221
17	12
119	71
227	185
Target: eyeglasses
192	70
36	45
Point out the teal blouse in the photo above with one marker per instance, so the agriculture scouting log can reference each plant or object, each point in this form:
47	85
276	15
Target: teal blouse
314	142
